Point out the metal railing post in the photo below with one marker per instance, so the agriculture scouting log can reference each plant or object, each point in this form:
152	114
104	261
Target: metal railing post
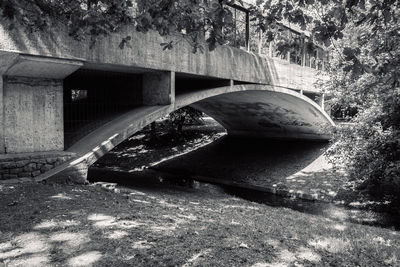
247	30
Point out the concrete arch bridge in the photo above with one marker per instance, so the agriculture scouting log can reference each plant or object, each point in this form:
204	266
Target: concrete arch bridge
63	104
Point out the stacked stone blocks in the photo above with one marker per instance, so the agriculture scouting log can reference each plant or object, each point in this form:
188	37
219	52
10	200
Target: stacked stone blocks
29	165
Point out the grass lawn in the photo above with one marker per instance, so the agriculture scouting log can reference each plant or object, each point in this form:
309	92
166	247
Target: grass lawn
63	225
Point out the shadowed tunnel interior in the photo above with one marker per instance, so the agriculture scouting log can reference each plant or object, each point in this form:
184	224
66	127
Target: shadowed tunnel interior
91	98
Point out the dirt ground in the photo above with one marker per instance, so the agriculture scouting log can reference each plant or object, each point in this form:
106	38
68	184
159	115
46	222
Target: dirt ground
104	225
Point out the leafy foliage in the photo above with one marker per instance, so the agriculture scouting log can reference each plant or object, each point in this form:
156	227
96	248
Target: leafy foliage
194	19
182	116
365	76
83	17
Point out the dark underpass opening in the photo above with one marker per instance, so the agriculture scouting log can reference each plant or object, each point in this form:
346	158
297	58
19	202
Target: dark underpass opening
92	97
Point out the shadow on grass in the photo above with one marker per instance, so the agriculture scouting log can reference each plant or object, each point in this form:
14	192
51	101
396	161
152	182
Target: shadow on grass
332	211
76	226
108	225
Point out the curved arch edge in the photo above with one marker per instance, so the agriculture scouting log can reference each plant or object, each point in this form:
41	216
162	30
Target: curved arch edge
93	146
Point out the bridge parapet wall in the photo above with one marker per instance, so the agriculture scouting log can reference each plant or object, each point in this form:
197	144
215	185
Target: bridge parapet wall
144	53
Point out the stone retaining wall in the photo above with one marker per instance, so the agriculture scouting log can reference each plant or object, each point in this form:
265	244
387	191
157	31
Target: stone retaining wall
29	165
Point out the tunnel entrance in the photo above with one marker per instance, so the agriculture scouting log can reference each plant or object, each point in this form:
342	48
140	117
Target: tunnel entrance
92	97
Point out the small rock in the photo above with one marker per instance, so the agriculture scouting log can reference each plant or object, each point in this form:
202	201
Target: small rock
35	173
12	203
30	167
51	160
46	168
243	245
8	165
21	163
16	170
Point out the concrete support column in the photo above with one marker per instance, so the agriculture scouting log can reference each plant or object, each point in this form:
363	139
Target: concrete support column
247	30
270	49
7	59
259	43
322	101
33	110
2	147
31	103
159	88
304	51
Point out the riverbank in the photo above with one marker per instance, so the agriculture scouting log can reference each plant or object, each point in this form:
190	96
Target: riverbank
296	169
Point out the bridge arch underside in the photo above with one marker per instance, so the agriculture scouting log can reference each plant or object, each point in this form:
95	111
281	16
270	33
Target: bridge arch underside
244	110
268	114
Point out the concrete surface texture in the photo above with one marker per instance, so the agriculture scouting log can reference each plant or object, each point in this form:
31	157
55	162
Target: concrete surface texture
6	60
159	88
33	115
1	117
144	53
264	113
32	102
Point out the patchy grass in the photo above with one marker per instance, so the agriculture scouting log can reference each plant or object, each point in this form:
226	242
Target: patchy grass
47	225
